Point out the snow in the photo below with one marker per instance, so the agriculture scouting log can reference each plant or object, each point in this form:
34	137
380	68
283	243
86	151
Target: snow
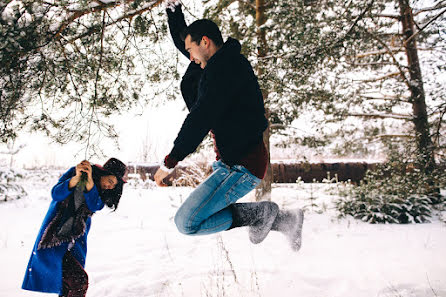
137	251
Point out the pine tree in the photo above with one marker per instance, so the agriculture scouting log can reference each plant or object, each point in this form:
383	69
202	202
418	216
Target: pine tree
392	55
360	63
65	67
286	45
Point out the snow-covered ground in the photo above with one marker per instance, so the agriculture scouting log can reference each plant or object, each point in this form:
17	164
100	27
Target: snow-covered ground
137	251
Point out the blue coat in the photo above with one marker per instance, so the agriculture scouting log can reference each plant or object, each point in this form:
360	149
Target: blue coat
44	271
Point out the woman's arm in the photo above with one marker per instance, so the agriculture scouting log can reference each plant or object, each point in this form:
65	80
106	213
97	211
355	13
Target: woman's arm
70	179
93	200
82	167
91	193
62	190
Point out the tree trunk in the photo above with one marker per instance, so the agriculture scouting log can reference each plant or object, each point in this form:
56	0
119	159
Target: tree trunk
263	192
417	95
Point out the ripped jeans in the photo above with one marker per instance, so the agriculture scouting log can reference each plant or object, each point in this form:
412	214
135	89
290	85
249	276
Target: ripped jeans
206	210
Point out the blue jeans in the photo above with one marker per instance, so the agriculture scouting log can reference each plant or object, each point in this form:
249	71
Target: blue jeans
206	210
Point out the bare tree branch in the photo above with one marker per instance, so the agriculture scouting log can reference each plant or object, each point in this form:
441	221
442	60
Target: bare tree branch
390	16
128	15
380	52
389	50
395	136
381	116
424	27
439	5
384	77
390	98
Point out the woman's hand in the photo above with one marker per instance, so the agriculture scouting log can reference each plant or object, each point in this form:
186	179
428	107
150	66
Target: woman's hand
83	166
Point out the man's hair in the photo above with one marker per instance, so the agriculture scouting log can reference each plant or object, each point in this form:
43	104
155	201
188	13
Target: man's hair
201	28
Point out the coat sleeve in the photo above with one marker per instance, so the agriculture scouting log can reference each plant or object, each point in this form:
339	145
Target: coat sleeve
217	91
61	191
93	200
176	26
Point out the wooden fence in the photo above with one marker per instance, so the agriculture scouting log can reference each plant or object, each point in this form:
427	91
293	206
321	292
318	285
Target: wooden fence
282	172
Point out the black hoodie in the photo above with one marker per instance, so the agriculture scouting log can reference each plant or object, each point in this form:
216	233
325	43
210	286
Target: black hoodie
189	82
230	103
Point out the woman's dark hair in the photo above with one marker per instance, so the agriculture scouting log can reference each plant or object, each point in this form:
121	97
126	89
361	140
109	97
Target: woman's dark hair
201	28
109	197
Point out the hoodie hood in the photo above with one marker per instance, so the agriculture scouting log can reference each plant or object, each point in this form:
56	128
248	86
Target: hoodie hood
230	48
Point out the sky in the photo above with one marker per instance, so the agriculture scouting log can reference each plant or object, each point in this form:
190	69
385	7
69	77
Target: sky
155	128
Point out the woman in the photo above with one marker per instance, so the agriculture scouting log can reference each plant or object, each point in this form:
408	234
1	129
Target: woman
58	258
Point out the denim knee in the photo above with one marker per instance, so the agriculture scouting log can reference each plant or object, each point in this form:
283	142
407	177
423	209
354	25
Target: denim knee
183	224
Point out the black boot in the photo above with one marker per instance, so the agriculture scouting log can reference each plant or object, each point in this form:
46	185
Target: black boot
290	222
259	216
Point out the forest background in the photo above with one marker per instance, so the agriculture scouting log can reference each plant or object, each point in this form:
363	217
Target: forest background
361	80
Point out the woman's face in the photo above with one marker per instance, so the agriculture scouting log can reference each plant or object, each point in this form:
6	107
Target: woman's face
108	182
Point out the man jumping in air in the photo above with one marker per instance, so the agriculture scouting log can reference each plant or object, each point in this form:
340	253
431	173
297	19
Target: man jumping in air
229	104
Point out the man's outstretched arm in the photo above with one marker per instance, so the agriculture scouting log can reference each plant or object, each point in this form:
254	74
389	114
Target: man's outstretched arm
176	24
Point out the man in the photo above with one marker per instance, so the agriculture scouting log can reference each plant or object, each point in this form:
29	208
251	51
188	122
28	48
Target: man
230	105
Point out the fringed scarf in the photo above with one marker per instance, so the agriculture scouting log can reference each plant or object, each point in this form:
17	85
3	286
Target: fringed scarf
69	223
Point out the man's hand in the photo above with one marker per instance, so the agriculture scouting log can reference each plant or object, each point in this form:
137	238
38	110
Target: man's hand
171	4
159	176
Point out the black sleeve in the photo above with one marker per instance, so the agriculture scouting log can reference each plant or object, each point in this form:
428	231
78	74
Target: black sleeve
176	26
212	103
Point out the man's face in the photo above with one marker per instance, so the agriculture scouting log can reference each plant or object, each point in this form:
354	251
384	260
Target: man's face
199	53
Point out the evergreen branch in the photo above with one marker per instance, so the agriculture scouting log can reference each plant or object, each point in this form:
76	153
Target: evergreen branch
384	51
331	46
382	116
384	77
82	182
252	5
360	17
401	48
76	90
439	5
440	121
389	50
76	14
385	98
354	64
129	15
389	16
424	27
380	52
395	136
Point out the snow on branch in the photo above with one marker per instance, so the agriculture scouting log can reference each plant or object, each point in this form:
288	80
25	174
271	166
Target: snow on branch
384	77
380	52
390	16
76	14
440	5
424	27
386	98
395	136
382	116
391	53
128	15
